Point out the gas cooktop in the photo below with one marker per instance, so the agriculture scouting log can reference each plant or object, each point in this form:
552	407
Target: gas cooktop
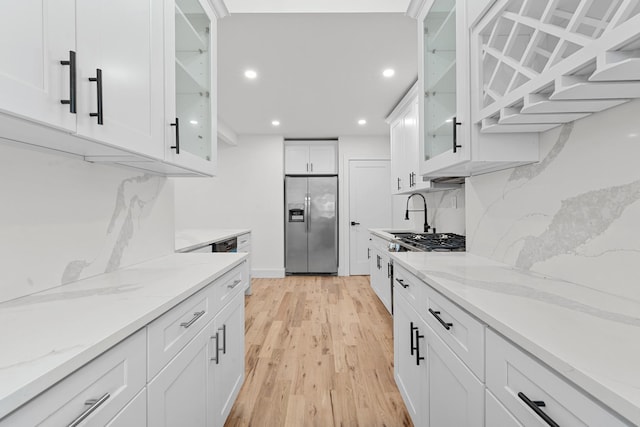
432	242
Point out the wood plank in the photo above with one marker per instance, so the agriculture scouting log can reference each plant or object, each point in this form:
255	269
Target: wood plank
319	352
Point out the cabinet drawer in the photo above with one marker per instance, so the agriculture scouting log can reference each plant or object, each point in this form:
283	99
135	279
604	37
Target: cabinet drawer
462	332
228	285
244	241
514	377
407	285
94	393
169	333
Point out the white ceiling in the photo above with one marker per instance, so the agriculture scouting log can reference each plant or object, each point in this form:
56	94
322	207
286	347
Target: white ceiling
318	73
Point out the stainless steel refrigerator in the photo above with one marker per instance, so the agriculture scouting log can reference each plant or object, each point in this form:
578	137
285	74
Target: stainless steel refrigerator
311	224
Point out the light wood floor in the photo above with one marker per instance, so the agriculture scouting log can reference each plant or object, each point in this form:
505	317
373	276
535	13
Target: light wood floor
319	352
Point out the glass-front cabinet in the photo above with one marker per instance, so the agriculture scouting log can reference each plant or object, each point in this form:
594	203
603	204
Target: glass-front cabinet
445	83
191	113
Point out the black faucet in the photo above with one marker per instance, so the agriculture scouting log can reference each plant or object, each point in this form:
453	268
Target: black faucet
424	201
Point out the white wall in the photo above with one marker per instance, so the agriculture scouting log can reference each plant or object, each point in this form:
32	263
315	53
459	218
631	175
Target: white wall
574	215
63	219
351	148
248	192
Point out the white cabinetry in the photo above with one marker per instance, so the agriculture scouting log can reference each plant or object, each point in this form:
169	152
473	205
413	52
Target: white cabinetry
190	125
438	388
534	395
450	144
380	270
244	246
88	79
95	393
310	157
226	373
543	63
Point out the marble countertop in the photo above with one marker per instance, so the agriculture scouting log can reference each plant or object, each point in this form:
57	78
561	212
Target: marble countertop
193	238
590	337
48	335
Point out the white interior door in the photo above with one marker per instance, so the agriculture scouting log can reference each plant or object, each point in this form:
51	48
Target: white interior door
369	207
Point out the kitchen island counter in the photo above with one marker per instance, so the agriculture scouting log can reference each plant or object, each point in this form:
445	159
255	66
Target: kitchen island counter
590	337
193	238
48	335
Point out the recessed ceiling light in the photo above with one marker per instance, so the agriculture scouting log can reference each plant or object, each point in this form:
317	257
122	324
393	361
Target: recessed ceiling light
275	123
250	74
362	122
389	72
193	122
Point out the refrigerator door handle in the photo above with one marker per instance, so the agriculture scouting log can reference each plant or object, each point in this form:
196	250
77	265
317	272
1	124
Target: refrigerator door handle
307	199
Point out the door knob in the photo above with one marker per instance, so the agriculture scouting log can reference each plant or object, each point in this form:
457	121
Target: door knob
355	223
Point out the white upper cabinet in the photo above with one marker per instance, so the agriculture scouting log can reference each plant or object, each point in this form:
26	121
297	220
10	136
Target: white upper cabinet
36	36
120	62
190	75
546	62
106	80
451	145
311	157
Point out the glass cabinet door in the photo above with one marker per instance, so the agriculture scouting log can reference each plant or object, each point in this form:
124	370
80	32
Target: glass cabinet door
193	78
439	78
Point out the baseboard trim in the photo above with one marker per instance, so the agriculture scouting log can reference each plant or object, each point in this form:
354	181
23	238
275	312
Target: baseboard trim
274	273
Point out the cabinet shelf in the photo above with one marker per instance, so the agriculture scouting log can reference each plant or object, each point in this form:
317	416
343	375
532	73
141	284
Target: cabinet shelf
186	82
444	36
187	37
445	82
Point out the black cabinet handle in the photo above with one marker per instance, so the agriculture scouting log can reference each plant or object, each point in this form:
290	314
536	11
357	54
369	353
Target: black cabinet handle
368	253
402	283
355	223
456	123
413	345
398	183
535	406
98	80
418	357
378	259
388	270
224	338
72	82
217	358
177	146
436	314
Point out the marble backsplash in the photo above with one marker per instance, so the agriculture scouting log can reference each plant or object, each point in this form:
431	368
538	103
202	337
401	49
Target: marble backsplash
63	219
575	214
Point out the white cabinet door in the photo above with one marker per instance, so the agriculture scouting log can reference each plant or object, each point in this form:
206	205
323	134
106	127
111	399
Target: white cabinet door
226	373
190	85
322	158
412	145
134	414
178	395
455	396
296	159
496	414
36	35
398	180
409	371
124	40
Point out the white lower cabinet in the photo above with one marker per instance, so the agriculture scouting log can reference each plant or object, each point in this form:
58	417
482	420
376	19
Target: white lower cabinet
134	414
94	394
438	389
178	394
380	270
442	354
534	394
226	366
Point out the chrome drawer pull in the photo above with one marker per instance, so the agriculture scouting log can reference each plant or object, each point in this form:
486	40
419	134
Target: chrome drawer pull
235	283
196	316
402	283
94	404
535	407
436	314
